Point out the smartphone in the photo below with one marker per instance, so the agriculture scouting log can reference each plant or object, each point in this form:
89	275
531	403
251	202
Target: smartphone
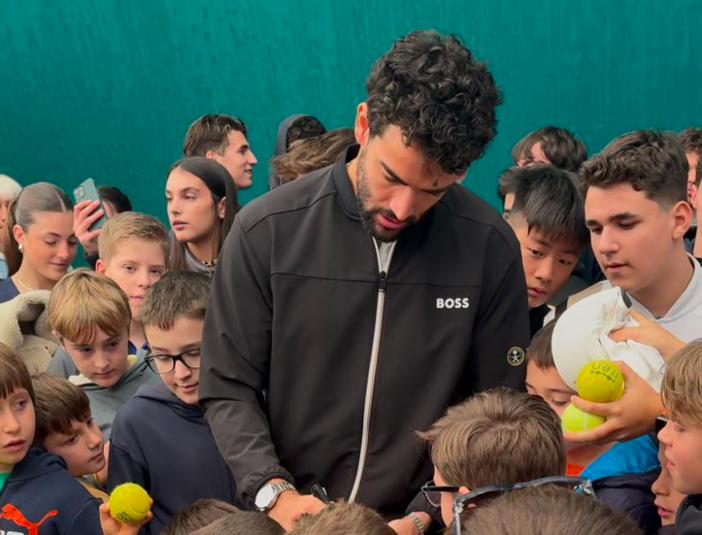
87	191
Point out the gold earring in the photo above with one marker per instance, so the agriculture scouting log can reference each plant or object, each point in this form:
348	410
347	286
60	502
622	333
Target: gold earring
20	248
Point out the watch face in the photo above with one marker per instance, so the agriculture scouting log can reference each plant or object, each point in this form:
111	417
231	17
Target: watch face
264	497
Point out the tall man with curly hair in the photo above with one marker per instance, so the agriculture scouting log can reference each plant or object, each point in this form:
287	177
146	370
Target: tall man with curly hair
353	306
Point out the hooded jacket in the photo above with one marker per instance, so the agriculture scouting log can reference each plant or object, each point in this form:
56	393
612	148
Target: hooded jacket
689	519
281	146
165	445
622	478
106	402
354	351
41	498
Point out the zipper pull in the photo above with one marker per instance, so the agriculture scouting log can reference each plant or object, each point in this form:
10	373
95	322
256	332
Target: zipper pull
382	281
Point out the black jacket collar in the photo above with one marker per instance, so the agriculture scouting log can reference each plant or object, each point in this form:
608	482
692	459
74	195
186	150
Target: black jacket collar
342	183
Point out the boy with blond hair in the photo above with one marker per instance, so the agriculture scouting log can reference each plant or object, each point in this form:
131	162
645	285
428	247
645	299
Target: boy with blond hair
681	394
90	316
133	250
38	494
621	472
65	427
342	518
242	523
546	510
197	515
499	436
173	314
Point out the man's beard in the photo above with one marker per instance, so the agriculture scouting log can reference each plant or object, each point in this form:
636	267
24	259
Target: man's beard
368	213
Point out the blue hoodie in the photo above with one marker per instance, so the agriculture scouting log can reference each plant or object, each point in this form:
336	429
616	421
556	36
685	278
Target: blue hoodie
41	498
166	446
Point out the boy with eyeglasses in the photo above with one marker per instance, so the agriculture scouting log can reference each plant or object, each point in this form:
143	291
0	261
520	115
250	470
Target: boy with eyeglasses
160	438
496	437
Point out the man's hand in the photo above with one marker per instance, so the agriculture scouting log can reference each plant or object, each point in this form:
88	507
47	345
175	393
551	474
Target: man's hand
290	506
405	526
85	213
629	417
110	526
650	333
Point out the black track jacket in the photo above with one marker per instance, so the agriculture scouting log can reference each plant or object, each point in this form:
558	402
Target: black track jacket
319	365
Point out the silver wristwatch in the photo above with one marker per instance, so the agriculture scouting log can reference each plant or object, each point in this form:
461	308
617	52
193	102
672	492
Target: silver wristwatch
268	495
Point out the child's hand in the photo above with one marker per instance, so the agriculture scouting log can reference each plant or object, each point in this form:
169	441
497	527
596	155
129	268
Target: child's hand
110	526
650	333
629	417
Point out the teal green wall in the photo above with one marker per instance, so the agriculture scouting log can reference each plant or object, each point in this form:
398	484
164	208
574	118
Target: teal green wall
107	88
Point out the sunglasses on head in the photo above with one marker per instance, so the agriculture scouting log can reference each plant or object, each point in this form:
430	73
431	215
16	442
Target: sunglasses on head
475	497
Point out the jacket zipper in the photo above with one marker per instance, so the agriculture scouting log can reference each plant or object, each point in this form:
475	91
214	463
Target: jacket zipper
373	367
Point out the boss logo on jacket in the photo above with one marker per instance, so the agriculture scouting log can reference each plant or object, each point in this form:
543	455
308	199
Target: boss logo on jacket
451	302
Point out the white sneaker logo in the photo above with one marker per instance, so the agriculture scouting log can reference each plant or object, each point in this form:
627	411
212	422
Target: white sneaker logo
450	302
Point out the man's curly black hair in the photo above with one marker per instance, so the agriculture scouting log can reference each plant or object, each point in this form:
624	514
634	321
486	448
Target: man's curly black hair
442	98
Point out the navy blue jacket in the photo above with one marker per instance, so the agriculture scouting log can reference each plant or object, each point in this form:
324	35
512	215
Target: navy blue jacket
166	446
622	478
40	496
689	520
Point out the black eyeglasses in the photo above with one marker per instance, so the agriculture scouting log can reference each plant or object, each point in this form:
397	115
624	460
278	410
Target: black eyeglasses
473	498
163	364
432	492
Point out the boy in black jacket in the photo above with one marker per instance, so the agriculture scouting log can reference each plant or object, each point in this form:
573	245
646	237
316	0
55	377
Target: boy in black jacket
37	494
681	394
160	438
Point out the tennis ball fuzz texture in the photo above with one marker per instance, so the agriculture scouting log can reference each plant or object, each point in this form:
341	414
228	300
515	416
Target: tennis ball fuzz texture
600	381
574	420
129	503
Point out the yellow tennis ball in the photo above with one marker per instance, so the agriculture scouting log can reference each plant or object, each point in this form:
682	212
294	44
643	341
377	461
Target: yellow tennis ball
600	381
129	503
574	420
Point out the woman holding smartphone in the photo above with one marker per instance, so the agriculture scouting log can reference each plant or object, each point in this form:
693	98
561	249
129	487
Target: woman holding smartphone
40	244
201	199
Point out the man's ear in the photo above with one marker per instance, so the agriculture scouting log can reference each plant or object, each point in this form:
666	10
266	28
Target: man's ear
463	490
212	155
361	127
682	218
222	207
100	266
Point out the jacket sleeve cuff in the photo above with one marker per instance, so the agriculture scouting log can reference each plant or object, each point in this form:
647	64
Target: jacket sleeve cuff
420	505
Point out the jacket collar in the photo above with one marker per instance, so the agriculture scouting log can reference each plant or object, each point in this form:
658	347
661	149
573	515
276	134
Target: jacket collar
342	183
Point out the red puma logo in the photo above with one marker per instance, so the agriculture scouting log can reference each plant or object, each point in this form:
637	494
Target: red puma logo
10	512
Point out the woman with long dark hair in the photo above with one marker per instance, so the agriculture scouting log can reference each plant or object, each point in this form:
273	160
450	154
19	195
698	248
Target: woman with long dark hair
202	201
